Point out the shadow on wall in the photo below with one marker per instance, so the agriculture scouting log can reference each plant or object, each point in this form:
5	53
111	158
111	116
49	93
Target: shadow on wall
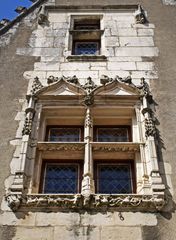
170	206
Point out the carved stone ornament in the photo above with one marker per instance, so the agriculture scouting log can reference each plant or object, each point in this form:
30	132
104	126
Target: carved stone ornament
105	79
148	203
140	15
145	90
150	129
27	126
89	86
52	79
73	79
36	86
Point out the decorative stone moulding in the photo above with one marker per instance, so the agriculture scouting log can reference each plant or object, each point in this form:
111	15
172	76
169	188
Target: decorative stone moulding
125	202
50	146
117	147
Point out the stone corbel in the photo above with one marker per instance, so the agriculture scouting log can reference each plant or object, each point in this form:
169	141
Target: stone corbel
140	15
14	201
42	18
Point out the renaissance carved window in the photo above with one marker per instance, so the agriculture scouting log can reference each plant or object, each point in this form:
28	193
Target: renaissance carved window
94	147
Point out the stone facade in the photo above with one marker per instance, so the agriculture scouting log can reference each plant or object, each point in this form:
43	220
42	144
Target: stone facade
36	55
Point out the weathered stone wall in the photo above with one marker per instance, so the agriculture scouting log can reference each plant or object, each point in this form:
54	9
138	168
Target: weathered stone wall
35	51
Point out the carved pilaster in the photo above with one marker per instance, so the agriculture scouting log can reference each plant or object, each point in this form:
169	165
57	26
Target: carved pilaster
87	182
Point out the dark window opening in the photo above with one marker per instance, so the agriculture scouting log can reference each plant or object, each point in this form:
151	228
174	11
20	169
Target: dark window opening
114	178
86	48
87	24
86	36
60	178
64	134
112	134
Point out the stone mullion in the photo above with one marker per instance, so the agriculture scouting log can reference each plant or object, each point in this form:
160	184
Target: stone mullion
87	182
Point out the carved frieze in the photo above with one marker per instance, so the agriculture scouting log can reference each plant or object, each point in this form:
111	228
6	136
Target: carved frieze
118	147
49	146
94	201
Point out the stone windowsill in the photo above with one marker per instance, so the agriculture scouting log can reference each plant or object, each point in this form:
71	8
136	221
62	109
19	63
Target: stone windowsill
86	58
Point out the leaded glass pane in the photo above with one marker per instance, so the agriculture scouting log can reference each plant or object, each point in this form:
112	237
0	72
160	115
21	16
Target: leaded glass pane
64	135
61	178
112	135
114	179
86	48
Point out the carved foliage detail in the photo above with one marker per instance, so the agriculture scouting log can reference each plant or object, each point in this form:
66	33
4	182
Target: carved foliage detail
150	129
27	126
36	86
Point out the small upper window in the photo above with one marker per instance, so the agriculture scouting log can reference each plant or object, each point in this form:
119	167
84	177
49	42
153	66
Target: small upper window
86	36
112	134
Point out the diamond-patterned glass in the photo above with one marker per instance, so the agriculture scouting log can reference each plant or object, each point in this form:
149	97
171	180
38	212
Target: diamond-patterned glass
112	135
64	134
61	178
114	179
86	48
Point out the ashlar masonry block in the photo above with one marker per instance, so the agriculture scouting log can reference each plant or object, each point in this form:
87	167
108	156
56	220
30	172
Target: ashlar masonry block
136	41
122	233
136	51
121	66
34	233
